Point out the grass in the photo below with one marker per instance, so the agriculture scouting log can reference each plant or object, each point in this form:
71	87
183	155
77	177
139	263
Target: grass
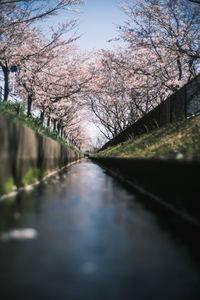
176	140
16	111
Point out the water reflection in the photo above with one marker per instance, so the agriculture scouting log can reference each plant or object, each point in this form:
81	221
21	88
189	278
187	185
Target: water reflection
95	240
181	231
19	234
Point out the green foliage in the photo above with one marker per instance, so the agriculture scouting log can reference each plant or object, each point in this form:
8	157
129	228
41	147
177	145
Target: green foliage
12	108
8	186
33	175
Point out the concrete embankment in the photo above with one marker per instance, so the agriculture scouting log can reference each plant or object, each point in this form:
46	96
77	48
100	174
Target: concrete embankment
173	183
22	150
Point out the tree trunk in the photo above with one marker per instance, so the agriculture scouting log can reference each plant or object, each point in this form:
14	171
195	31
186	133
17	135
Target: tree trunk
62	129
48	122
54	124
6	73
42	115
58	128
29	108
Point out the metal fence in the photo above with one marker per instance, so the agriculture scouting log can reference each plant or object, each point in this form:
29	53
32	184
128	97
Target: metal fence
182	104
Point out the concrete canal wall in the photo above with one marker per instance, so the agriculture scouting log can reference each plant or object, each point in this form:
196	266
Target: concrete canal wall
174	182
22	149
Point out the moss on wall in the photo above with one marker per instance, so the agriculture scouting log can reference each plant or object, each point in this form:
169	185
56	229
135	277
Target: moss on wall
8	186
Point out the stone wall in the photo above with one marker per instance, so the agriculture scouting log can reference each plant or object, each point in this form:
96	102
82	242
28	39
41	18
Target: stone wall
22	149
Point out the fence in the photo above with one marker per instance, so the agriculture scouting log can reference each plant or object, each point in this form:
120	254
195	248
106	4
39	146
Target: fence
184	103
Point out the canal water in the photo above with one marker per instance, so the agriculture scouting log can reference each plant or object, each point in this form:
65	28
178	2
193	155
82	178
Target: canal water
81	235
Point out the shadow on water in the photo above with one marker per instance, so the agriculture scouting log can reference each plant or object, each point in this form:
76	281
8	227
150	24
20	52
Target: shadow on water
182	231
83	235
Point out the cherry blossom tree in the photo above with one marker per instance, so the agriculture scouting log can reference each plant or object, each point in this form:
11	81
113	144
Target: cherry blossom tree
160	54
52	76
52	81
29	11
107	97
162	41
11	47
166	28
37	70
17	20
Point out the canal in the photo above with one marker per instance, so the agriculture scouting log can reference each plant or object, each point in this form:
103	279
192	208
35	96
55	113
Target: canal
81	234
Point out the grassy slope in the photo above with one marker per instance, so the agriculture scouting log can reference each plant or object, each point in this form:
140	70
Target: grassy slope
176	140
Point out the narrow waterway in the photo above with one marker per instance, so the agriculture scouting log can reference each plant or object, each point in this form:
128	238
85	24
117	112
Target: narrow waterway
82	235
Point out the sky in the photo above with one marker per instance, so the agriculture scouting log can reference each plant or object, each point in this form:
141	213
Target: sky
97	23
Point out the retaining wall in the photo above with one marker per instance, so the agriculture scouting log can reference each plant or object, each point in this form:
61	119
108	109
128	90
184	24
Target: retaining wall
22	149
175	182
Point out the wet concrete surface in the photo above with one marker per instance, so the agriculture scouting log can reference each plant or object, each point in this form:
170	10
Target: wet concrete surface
83	235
